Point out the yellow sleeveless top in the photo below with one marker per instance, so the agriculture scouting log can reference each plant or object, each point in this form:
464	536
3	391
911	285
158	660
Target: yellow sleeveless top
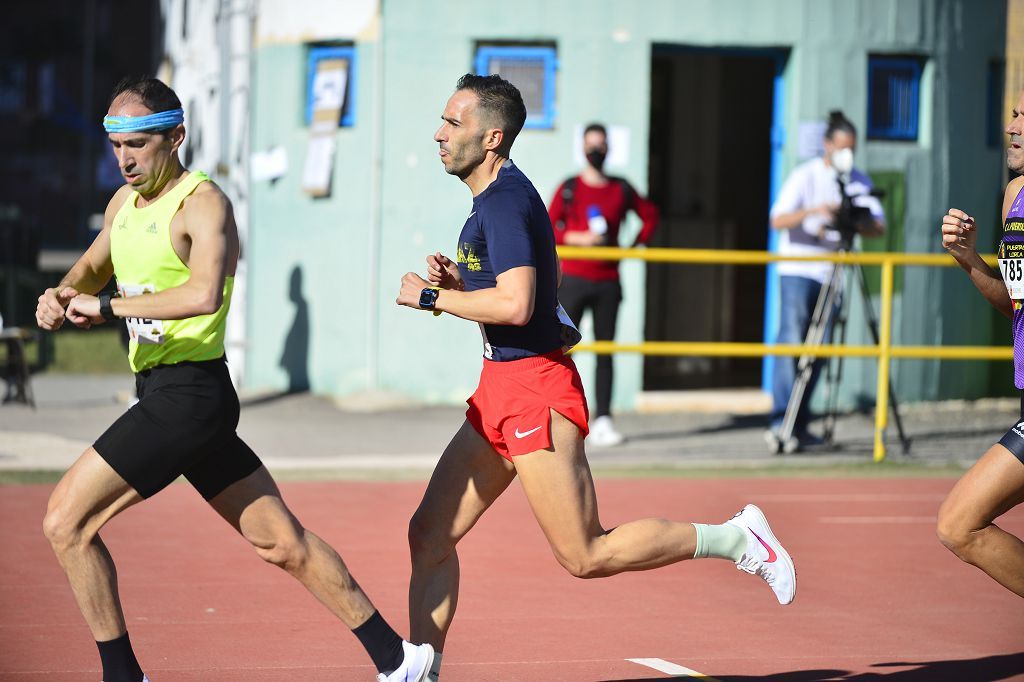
145	262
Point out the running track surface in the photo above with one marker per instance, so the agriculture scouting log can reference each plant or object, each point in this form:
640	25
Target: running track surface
878	597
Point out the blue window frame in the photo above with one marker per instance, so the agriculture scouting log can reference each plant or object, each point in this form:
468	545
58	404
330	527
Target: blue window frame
320	52
529	68
894	88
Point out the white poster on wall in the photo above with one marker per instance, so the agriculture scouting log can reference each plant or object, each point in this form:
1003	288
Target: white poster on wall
270	164
810	139
316	175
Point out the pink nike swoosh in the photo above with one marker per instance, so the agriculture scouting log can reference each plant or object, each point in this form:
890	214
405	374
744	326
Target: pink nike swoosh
772	556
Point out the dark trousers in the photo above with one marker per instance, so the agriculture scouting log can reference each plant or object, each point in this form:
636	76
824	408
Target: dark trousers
602	299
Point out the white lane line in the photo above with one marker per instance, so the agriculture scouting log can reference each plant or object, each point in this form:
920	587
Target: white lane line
877	519
669	668
850	497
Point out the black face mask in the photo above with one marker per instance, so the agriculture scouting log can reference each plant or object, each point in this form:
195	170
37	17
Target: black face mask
595	158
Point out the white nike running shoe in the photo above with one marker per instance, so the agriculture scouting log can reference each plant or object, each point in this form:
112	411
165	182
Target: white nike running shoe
415	665
765	555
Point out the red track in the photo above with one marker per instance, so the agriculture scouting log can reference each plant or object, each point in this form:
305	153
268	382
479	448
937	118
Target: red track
879	598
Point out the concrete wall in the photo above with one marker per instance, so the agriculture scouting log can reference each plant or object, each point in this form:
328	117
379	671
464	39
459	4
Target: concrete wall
354	246
207	61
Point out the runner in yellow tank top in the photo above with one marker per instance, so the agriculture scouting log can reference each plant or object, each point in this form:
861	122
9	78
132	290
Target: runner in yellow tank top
146	260
170	238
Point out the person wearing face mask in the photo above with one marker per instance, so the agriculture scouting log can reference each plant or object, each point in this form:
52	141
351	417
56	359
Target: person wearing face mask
806	215
587	210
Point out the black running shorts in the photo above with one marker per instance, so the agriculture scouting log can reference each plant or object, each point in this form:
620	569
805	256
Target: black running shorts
183	425
1014	438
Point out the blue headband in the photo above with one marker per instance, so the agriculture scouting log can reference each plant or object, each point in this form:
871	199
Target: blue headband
136	124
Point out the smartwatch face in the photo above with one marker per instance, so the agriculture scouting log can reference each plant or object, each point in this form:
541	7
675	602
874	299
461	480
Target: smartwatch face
427	298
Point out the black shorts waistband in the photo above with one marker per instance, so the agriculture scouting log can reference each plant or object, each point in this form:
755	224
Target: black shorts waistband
200	364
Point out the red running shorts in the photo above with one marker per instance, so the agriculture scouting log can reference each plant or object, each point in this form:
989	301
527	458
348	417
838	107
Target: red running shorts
511	407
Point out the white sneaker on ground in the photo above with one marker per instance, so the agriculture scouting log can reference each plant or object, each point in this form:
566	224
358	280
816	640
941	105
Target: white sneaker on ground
603	433
771	439
765	555
791	445
415	664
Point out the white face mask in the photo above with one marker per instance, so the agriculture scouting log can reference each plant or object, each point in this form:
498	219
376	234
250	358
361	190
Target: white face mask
842	161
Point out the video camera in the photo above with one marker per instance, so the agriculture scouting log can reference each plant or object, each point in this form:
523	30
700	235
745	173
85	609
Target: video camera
850	218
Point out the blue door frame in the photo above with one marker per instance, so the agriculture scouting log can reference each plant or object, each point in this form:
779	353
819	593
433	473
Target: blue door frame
771	289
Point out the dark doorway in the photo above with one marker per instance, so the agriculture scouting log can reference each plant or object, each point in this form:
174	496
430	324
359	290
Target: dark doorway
710	173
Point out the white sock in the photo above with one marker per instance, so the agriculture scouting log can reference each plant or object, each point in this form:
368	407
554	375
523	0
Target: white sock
722	541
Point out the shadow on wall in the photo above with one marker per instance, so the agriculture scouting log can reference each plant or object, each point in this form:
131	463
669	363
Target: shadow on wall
295	355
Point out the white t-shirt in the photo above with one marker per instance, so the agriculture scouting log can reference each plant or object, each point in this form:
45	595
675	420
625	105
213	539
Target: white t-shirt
812	184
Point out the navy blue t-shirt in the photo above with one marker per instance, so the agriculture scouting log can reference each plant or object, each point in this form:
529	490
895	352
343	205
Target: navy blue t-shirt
509	228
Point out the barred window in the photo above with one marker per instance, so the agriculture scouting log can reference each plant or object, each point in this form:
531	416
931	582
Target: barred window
529	68
894	85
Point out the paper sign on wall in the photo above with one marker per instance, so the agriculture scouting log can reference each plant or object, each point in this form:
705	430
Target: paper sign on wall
269	164
329	83
810	139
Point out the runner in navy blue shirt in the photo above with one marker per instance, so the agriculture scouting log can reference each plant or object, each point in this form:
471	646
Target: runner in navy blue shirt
509	228
528	416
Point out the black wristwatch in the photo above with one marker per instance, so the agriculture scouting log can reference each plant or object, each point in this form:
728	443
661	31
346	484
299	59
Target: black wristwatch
106	311
428	297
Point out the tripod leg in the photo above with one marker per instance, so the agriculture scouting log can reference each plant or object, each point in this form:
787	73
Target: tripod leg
869	312
815	333
835	375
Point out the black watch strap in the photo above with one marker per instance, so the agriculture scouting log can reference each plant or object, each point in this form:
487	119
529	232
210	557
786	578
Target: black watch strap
106	310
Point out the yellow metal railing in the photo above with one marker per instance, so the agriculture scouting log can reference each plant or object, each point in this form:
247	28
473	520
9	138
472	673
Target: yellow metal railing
884	351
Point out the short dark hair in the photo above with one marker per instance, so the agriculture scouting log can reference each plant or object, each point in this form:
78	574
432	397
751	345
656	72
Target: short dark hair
838	122
595	128
498	97
153	93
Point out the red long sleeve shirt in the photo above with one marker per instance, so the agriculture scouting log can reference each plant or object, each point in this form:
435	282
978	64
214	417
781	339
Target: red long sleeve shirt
614	201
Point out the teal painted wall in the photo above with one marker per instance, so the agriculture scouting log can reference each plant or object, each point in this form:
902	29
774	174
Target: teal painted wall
604	51
326	238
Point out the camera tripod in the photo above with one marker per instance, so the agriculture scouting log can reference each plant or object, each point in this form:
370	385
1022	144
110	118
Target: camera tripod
830	299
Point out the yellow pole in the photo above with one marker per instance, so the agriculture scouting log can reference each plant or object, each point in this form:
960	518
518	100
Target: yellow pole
884	343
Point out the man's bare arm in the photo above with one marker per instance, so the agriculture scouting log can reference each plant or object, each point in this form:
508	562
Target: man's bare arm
959	237
510	302
89	273
788	221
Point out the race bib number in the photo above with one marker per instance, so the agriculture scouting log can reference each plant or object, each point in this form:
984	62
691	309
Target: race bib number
1011	267
570	334
1012	270
141	330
